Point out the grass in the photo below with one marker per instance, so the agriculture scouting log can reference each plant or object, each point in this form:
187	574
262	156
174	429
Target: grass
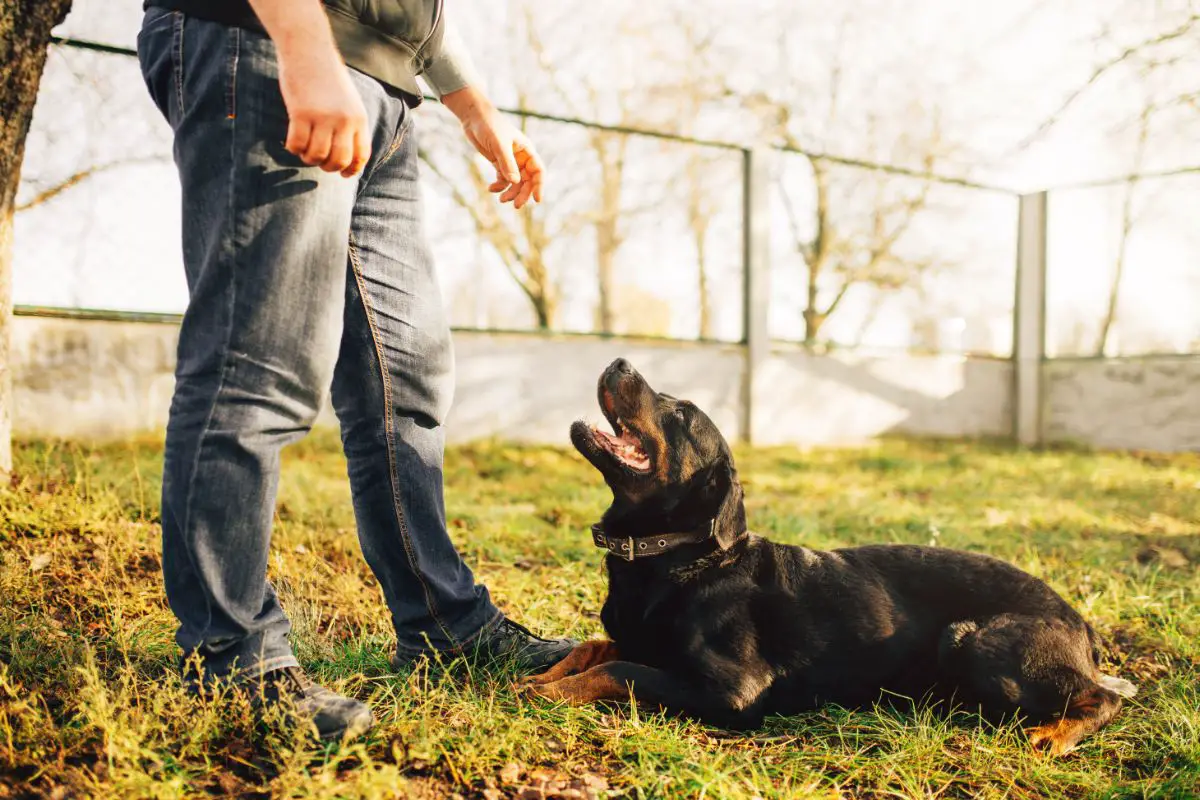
90	705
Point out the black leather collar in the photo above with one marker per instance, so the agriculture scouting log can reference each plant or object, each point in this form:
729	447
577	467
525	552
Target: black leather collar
633	547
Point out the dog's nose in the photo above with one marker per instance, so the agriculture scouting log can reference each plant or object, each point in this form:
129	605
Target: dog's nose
621	365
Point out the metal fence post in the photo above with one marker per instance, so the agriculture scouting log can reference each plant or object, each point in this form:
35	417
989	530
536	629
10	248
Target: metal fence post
1029	319
756	230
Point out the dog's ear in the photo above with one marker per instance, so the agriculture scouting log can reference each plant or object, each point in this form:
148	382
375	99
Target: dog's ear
713	483
720	494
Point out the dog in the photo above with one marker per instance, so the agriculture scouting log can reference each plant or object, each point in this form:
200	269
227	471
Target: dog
710	621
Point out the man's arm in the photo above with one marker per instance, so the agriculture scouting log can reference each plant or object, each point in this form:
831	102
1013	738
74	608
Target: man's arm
519	169
327	122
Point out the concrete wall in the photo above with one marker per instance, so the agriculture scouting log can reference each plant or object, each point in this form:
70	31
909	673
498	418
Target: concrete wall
848	397
99	379
1148	403
87	379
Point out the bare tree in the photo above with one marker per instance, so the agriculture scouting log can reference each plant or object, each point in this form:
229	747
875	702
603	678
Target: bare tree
44	194
852	233
1128	220
25	27
1148	51
591	203
521	241
700	213
611	152
1155	45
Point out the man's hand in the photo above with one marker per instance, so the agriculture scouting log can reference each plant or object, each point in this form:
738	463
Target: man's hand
519	168
327	122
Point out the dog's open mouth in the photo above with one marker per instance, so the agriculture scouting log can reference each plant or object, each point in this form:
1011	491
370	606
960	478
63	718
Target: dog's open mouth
624	446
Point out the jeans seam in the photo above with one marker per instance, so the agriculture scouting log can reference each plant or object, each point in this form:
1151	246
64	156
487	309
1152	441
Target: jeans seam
397	140
390	434
229	246
177	30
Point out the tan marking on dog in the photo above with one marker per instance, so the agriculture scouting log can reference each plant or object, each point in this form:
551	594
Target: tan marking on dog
591	686
582	658
1087	712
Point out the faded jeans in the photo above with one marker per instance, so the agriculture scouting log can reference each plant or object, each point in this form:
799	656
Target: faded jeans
299	281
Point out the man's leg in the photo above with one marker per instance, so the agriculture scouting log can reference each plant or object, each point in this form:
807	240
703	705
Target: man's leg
264	245
392	389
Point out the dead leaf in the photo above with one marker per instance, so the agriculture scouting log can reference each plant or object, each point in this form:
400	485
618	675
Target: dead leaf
1170	557
39	562
510	772
595	782
994	518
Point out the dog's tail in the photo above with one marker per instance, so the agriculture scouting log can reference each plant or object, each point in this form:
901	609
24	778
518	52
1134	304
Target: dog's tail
1118	686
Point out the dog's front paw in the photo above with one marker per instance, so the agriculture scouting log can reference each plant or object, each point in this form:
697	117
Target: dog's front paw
539	679
550	690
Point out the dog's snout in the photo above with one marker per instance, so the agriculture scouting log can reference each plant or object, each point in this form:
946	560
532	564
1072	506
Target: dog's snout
622	366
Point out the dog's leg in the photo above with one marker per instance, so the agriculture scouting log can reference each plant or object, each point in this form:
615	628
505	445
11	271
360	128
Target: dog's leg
1088	712
582	658
619	680
598	683
1042	668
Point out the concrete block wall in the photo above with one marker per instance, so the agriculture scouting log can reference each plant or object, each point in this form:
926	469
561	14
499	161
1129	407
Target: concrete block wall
98	379
1150	403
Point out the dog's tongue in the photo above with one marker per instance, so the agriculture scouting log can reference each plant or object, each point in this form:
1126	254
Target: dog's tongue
626	449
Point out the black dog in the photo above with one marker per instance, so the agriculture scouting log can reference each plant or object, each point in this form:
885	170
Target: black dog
714	622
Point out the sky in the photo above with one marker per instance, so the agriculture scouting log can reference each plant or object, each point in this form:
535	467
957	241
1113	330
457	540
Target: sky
990	71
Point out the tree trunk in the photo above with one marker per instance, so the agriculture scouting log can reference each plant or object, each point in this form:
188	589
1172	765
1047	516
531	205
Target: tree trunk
605	269
545	308
25	27
1127	221
608	224
705	304
813	320
814	260
1114	289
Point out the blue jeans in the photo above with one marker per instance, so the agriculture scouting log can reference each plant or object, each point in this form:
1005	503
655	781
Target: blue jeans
299	281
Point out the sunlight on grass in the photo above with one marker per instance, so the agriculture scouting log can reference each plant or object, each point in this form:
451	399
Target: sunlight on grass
90	705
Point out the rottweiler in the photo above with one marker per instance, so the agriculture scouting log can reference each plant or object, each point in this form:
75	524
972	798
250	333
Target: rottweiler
713	622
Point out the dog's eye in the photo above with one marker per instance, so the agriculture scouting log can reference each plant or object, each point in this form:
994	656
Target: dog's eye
680	416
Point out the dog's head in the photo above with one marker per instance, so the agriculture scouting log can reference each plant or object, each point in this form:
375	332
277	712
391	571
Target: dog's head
666	462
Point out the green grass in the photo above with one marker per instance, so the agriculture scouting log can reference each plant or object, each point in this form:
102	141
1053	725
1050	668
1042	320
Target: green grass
90	705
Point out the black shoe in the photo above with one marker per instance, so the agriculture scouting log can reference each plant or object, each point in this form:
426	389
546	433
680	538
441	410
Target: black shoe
334	717
508	641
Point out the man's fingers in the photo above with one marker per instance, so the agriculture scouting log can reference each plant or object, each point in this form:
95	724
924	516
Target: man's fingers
523	195
508	161
532	168
341	150
299	131
502	181
319	143
362	152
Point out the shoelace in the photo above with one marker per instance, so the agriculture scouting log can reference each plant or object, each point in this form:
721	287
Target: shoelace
293	679
522	629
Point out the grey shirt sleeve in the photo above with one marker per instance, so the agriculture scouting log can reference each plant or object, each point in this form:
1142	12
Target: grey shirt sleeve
452	69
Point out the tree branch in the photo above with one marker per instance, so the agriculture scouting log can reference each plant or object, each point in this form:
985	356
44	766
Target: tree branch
46	195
